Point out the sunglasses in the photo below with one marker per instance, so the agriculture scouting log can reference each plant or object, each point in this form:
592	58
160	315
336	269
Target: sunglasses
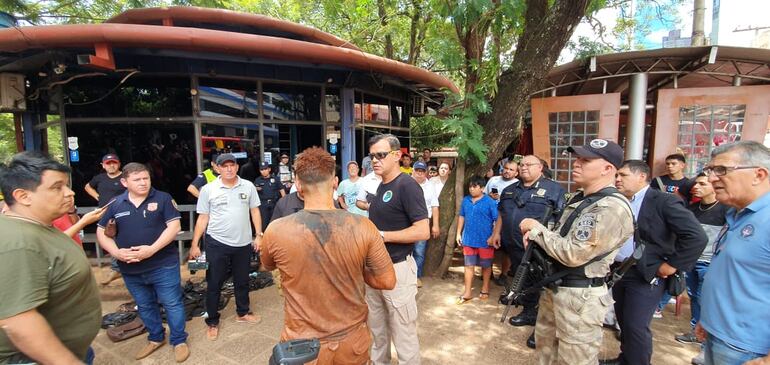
380	155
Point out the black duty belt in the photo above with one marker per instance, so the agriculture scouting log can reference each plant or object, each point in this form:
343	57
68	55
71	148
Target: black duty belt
582	283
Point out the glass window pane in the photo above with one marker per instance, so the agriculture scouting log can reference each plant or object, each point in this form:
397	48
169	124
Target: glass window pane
333	105
136	97
592	116
292	102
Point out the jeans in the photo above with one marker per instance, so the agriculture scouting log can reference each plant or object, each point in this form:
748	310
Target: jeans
719	352
223	261
90	355
159	286
694	284
664	300
419	255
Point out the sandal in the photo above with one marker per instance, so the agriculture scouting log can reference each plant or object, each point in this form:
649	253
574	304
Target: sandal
483	296
460	300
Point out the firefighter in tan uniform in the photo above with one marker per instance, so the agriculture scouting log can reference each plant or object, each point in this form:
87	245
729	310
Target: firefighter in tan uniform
569	324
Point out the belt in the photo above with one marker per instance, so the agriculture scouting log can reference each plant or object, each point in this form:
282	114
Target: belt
582	283
401	260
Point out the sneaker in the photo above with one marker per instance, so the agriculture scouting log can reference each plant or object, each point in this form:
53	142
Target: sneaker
687	338
181	352
112	276
148	349
700	359
658	314
250	318
212	332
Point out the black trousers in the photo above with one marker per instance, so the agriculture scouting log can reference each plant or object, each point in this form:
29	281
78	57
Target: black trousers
223	260
515	253
266	213
635	303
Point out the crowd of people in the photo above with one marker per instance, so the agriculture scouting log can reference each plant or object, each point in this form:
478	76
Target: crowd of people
361	244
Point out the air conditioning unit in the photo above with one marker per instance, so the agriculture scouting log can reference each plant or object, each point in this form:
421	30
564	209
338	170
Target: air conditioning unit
12	92
418	105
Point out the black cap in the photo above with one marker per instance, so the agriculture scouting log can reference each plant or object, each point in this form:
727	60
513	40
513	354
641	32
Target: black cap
601	148
225	157
264	165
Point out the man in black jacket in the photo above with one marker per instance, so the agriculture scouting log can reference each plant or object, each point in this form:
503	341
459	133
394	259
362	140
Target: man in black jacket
673	241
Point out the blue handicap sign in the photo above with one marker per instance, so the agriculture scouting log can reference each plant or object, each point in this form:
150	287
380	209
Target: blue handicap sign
74	156
333	148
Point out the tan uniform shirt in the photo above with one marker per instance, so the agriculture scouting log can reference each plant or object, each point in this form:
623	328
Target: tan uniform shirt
321	256
601	227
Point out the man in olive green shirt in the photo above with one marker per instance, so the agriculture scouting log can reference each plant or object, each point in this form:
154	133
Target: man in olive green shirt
50	310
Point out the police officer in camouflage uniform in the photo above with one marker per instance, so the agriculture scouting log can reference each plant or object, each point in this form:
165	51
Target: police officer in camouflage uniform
569	323
270	190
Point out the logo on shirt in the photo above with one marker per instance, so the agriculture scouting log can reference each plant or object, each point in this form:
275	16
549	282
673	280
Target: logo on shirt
152	206
747	231
387	196
585	227
243	196
540	192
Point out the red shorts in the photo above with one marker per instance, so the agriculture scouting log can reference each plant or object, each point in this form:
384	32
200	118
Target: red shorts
478	256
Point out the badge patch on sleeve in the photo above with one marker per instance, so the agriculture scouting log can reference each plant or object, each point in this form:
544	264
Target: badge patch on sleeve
584	227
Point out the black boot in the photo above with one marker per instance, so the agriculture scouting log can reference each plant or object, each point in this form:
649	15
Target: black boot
531	340
527	317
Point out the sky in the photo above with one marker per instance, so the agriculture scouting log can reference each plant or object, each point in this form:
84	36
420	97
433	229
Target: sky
733	14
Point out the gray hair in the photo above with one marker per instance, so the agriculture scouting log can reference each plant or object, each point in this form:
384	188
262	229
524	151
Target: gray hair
393	141
749	153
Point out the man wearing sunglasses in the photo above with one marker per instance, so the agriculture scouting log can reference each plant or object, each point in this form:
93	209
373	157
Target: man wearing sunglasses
734	298
399	212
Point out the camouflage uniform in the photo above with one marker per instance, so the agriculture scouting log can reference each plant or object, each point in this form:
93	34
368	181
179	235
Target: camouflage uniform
569	325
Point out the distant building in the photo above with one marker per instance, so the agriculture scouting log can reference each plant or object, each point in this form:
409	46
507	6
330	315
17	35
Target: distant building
674	40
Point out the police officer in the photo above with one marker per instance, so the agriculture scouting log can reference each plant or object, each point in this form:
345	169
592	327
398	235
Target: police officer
270	190
569	324
529	197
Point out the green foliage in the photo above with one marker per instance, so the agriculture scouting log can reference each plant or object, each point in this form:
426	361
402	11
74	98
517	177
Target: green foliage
7	137
429	132
463	125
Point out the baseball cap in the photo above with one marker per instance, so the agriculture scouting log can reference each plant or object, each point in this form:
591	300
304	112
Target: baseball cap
352	163
110	157
284	155
419	165
264	165
600	148
225	157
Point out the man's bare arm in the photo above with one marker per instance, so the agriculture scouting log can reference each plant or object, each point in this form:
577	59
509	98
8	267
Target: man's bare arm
90	191
384	281
32	335
418	231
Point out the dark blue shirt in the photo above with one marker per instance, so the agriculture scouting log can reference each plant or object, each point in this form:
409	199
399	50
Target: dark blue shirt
518	202
142	225
479	218
269	189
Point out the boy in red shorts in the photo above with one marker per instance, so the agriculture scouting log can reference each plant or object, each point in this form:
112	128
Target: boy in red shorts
477	217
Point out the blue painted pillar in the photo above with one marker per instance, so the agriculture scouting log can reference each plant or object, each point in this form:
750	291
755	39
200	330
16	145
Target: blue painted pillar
32	137
347	130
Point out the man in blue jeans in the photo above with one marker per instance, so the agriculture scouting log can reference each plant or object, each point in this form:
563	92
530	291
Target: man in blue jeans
147	222
430	192
711	215
735	301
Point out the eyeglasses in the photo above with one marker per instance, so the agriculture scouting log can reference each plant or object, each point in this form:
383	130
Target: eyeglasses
723	170
380	155
528	165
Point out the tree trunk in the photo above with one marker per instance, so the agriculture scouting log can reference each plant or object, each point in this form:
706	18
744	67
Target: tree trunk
545	34
438	256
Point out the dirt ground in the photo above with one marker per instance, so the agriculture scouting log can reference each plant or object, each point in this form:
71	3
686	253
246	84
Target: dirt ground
449	334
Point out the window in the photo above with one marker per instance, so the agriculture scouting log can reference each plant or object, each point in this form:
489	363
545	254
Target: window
569	129
227	99
292	102
703	127
137	97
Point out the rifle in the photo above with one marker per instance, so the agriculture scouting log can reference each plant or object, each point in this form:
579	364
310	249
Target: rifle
621	270
517	284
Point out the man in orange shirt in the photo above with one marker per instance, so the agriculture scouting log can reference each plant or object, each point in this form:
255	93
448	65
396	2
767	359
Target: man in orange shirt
325	255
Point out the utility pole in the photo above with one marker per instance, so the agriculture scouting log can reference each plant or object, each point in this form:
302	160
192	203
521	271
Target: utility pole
698	34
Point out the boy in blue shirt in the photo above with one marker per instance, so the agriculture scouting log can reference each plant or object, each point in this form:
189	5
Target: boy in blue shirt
477	217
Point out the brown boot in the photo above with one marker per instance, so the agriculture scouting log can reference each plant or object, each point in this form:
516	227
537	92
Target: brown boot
148	349
181	352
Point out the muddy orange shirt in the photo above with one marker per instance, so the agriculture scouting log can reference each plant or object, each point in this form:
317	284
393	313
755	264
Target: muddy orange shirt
321	255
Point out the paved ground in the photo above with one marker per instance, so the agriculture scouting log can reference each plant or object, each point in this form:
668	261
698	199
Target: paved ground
449	334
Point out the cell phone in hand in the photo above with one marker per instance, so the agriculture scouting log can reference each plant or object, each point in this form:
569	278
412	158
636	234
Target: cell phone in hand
494	190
